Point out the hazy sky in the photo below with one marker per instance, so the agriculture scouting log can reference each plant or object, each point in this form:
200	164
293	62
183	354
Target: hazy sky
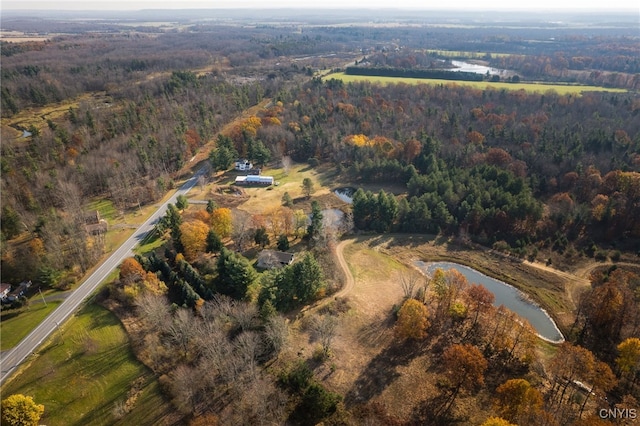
354	4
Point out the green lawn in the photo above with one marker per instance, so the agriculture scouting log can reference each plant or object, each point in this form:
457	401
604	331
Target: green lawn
105	207
149	244
562	89
86	372
15	324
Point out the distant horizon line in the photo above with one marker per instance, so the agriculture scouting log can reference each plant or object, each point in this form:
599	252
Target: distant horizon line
404	9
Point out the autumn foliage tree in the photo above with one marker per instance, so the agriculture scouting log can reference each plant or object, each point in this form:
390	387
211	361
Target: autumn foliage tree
221	222
464	368
571	364
479	300
517	401
131	270
608	312
412	320
628	360
21	410
193	236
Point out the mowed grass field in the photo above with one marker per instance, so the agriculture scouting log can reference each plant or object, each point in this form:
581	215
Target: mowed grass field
561	89
88	375
16	324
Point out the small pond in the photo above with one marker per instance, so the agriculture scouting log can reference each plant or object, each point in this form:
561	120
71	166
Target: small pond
506	295
345	194
26	134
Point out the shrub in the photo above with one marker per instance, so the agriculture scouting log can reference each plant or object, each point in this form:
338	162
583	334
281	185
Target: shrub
601	255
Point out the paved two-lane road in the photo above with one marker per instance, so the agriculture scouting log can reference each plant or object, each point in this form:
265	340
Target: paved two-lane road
12	359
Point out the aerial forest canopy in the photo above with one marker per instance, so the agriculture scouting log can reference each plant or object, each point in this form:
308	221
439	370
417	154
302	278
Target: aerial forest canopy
499	164
486	161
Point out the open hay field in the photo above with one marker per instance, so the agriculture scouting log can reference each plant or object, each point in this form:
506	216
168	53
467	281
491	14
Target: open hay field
562	89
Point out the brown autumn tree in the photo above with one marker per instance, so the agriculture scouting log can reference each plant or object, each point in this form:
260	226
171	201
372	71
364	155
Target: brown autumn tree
479	300
412	149
602	380
571	364
465	366
609	310
412	320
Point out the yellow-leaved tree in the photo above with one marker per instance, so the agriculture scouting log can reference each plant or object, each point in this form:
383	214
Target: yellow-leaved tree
412	320
517	401
221	222
21	410
628	360
193	236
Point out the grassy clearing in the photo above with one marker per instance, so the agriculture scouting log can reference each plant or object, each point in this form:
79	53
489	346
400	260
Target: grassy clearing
106	209
86	372
38	116
15	324
562	89
262	200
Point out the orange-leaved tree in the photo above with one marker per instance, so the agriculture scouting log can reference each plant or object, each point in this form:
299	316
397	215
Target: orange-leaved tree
131	270
465	366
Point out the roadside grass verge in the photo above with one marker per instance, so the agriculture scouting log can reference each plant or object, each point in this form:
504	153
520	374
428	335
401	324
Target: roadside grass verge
152	242
88	375
561	89
16	324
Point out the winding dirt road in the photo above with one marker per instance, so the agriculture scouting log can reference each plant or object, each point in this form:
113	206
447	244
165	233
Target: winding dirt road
350	283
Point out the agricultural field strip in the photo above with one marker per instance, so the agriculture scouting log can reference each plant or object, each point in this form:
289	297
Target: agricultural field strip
529	87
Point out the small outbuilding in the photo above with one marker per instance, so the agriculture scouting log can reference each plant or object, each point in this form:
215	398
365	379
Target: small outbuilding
270	259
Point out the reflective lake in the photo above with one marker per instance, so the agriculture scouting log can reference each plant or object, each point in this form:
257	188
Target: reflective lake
477	69
506	295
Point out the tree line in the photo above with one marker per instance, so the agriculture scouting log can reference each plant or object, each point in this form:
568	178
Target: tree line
414	73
